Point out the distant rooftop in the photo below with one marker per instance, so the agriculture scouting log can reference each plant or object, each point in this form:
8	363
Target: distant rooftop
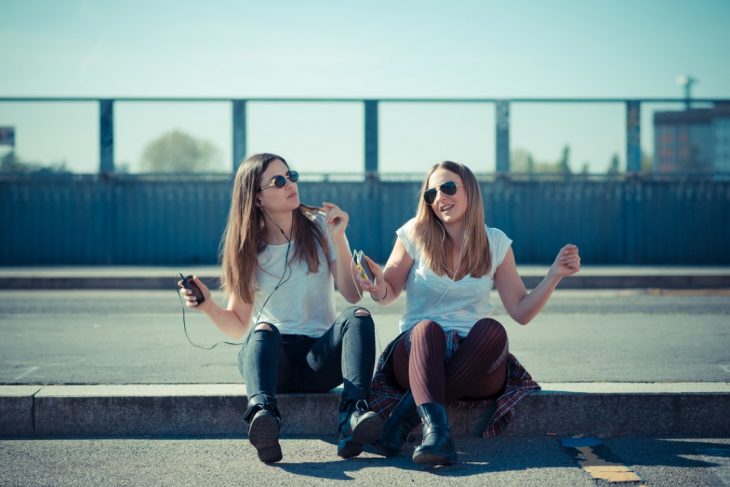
693	115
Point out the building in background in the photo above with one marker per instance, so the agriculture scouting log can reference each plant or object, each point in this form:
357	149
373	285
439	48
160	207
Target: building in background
696	140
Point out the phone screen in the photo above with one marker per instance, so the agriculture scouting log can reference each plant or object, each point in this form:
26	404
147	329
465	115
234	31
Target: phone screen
365	269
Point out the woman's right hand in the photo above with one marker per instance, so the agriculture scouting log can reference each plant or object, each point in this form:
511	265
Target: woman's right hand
378	289
190	300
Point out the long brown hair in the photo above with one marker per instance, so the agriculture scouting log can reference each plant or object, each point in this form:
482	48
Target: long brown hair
245	234
435	242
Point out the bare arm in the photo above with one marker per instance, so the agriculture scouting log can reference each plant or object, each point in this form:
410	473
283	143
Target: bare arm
521	305
232	321
390	282
343	272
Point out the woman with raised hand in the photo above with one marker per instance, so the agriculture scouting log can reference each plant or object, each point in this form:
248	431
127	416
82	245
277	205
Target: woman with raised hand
450	350
281	260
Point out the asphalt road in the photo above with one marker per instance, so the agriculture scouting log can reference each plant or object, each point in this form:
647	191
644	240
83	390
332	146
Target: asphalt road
127	337
312	461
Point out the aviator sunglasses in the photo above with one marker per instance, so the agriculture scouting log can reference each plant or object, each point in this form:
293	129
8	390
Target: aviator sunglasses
449	188
279	181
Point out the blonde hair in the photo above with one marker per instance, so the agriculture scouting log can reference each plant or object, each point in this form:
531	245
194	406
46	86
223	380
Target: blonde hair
244	236
434	241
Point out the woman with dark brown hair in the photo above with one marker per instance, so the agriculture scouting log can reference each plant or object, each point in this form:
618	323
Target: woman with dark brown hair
281	260
450	350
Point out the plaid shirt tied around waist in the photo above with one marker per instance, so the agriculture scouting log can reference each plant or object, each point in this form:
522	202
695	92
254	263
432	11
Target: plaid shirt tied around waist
385	392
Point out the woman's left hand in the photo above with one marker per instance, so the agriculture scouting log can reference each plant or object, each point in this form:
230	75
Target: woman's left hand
336	219
567	262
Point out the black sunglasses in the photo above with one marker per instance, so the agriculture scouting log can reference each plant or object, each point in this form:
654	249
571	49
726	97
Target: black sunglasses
449	188
279	181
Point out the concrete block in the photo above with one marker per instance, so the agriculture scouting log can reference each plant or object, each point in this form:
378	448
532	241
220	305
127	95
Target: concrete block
309	414
615	414
140	410
603	409
704	414
16	410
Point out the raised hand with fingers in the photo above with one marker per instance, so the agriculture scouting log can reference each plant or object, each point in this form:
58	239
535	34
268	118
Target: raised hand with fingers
336	219
567	261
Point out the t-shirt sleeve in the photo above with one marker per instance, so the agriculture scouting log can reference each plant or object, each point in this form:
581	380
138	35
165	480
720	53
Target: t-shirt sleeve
499	243
405	234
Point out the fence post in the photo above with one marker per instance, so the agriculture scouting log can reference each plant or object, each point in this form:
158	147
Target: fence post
371	138
633	137
239	132
106	136
502	146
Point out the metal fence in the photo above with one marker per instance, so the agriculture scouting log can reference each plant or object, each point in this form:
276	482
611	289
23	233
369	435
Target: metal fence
119	219
126	220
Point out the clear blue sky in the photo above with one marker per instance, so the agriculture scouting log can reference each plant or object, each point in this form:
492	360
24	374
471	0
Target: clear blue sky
562	48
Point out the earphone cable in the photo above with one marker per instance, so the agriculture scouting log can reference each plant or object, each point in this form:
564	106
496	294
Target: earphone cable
185	329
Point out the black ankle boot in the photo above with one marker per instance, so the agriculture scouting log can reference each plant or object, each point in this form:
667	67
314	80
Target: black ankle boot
264	423
358	426
437	447
396	428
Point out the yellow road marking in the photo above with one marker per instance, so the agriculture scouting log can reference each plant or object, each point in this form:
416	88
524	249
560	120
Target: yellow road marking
601	469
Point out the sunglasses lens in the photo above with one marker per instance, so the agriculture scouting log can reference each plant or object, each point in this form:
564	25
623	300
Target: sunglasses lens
279	181
293	176
429	196
449	188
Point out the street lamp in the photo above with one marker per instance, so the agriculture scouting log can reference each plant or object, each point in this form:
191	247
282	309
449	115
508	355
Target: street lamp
686	81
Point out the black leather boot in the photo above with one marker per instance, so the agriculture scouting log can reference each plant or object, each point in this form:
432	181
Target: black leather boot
358	426
396	428
437	447
264	423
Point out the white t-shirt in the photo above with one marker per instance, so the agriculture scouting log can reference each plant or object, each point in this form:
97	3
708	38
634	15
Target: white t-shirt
305	303
465	302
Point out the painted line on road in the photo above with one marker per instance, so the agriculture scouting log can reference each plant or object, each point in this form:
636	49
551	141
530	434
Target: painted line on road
590	452
29	371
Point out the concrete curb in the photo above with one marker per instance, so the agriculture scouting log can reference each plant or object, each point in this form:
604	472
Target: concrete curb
148	277
636	281
605	409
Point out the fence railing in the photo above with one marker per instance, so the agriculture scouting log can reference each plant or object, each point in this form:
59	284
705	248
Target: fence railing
371	137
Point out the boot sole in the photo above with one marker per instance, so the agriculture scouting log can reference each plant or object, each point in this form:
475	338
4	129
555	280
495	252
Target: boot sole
367	431
264	436
433	459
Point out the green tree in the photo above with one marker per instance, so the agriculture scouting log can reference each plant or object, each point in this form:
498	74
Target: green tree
564	163
519	160
10	162
646	162
176	151
613	166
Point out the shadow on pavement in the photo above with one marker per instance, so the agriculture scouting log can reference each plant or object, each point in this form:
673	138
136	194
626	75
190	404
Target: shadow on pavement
478	456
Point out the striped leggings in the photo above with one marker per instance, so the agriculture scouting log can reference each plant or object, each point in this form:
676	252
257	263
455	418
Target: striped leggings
478	368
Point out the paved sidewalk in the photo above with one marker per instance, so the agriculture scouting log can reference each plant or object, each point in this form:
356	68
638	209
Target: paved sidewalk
58	333
524	462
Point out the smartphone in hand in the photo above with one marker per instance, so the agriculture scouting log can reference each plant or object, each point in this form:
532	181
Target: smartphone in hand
363	267
189	283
